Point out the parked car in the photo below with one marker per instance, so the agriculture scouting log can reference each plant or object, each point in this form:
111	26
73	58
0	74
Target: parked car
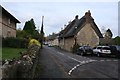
84	50
115	50
50	45
102	50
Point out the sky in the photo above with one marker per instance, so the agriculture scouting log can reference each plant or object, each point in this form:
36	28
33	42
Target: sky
57	14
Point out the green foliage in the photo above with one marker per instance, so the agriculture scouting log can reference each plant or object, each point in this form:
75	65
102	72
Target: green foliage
21	34
29	28
117	40
74	48
14	42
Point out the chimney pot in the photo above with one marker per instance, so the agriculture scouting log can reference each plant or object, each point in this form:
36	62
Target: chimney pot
76	17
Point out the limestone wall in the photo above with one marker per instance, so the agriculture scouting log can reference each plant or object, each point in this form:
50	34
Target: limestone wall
8	27
87	35
69	42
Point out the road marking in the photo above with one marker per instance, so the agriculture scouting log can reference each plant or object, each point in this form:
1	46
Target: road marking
107	60
115	60
60	53
73	69
81	63
102	60
74	59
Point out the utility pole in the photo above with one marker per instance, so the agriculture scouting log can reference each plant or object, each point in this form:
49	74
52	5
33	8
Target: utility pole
42	33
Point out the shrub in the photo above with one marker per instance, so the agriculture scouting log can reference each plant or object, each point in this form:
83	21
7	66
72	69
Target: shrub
74	48
34	42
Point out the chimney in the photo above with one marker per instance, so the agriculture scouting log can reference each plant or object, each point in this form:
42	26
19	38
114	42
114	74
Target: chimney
76	17
88	16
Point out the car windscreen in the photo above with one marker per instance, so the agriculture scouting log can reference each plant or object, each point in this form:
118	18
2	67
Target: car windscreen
99	47
106	48
87	47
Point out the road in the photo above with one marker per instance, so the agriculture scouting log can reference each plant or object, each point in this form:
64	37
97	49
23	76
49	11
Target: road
61	64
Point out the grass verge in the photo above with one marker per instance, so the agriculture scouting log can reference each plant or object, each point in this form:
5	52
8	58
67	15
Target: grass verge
9	53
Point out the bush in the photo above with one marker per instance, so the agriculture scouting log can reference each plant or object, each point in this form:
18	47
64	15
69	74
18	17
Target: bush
74	48
34	42
14	42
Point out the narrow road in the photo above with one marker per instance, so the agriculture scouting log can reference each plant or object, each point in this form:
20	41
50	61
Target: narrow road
61	64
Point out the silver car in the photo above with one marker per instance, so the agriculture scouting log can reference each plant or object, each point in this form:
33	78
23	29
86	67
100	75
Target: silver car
102	50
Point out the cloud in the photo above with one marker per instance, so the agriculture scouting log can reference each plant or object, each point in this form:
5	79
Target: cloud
57	14
60	1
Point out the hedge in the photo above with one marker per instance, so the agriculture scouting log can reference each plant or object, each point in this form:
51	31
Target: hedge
14	42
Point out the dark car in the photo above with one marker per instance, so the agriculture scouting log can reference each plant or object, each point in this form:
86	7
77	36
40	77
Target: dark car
115	50
84	50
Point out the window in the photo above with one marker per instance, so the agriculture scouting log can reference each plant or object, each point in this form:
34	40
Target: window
99	47
9	21
8	33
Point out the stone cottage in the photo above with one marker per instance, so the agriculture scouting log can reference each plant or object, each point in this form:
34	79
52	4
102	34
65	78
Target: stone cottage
7	23
53	39
83	31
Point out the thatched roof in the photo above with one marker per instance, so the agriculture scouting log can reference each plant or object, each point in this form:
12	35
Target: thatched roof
77	24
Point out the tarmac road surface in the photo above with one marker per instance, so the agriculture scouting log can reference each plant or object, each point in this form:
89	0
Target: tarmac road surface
61	64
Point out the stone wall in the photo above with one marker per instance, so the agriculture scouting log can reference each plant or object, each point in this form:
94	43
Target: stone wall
8	27
69	42
87	36
22	67
61	43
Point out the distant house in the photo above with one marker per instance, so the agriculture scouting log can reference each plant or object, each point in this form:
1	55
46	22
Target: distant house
107	38
53	39
7	23
82	31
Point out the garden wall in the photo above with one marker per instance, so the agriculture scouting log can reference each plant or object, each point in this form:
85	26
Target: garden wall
24	66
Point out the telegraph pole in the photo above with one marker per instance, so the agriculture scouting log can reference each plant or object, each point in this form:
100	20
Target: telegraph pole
42	33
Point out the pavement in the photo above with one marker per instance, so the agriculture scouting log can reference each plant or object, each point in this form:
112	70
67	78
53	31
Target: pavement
61	64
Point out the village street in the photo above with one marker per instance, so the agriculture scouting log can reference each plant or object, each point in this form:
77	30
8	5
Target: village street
61	64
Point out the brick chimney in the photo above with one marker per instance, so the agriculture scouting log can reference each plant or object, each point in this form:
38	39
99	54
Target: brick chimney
88	16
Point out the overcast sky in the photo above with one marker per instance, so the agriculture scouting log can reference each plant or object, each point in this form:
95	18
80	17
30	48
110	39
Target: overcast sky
57	14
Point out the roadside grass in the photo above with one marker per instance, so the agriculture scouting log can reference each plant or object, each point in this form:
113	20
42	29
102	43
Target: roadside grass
10	53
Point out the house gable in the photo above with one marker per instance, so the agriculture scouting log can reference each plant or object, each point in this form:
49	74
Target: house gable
87	36
8	24
77	24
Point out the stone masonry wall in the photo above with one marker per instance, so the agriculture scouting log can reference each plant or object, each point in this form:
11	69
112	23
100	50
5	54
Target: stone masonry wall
8	29
87	36
69	42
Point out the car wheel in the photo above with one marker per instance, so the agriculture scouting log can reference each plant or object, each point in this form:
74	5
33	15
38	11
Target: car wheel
98	54
81	53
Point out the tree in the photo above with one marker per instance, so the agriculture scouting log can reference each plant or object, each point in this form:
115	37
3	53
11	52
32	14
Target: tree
117	40
21	34
30	27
